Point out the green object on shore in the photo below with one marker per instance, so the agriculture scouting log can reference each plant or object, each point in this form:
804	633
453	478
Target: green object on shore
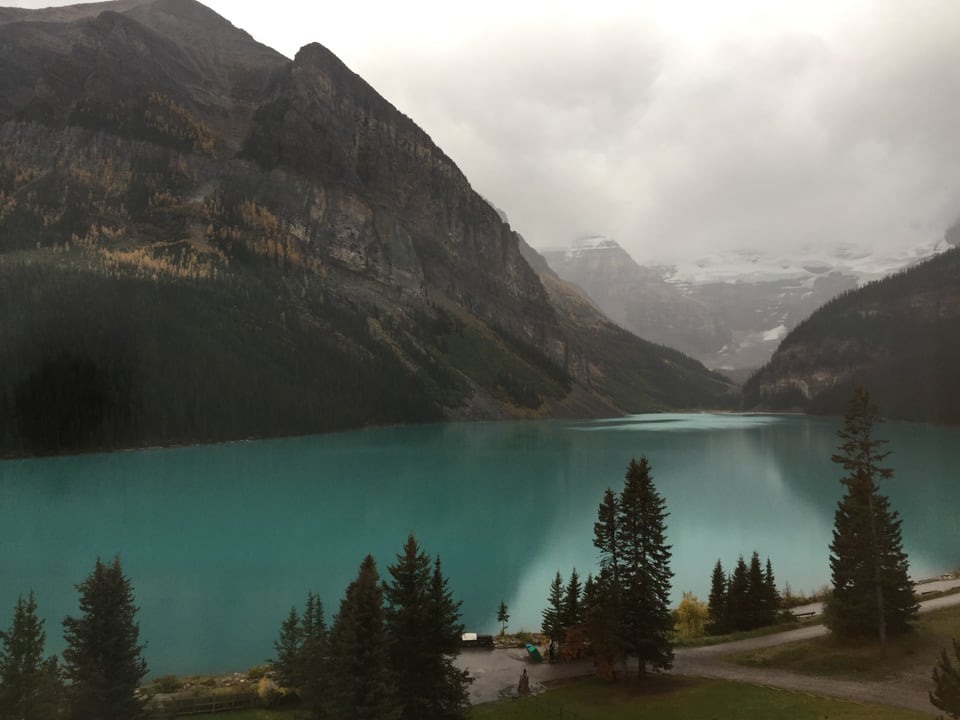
534	653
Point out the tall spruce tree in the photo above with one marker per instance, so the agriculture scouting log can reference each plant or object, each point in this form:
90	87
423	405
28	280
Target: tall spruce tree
771	594
314	658
30	687
605	538
755	614
451	699
361	682
738	592
872	592
423	625
289	648
646	576
552	615
717	602
572	602
102	659
412	656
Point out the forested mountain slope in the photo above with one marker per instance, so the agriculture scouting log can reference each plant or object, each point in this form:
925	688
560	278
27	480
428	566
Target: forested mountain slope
899	337
203	240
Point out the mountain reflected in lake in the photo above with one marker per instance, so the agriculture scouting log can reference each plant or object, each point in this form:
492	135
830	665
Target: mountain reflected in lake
221	540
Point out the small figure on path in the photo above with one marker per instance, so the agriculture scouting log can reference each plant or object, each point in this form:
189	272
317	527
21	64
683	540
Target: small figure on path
523	688
552	651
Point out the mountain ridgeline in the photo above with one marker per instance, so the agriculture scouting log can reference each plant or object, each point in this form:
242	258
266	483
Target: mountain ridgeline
202	240
899	337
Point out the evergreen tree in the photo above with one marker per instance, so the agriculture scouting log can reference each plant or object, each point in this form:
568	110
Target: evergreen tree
102	659
755	614
361	684
30	687
717	602
289	648
645	578
411	652
871	588
503	617
738	591
590	595
553	614
423	625
314	650
605	538
771	594
572	602
451	699
603	625
946	683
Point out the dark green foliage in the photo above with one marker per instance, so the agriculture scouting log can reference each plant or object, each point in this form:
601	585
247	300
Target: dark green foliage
646	574
314	658
102	659
872	592
771	596
946	683
412	655
756	614
590	594
717	603
748	599
603	624
629	601
100	363
605	536
30	687
424	629
451	697
552	624
361	682
738	596
302	649
572	602
289	648
503	617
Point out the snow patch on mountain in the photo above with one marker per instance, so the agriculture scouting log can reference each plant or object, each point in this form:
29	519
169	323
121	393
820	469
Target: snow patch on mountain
777	333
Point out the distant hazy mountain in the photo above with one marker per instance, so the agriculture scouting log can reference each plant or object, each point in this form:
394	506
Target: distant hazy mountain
899	337
203	240
638	298
729	311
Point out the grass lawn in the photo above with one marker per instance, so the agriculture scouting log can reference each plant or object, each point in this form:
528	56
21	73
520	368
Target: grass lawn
916	652
677	698
260	715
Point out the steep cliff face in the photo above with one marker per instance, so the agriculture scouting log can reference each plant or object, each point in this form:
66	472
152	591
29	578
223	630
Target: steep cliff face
217	242
899	337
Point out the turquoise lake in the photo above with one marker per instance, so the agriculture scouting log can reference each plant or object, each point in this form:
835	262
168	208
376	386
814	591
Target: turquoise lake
219	541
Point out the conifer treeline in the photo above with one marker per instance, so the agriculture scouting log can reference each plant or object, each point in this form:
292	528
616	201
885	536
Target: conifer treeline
744	600
624	610
389	652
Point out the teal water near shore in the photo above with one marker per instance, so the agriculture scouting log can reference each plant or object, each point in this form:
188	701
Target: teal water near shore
219	541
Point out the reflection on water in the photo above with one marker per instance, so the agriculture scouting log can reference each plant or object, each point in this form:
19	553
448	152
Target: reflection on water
220	541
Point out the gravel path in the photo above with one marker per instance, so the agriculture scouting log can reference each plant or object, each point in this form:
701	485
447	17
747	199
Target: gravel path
497	672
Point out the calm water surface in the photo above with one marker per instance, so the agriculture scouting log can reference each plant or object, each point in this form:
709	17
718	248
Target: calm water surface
220	541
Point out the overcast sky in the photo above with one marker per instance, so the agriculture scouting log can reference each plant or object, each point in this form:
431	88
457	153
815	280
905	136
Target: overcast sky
677	128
